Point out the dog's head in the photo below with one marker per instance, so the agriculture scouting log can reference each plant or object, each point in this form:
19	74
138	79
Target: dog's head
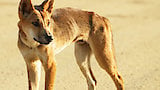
35	21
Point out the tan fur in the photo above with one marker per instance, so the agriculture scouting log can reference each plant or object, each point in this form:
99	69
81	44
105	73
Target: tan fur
38	25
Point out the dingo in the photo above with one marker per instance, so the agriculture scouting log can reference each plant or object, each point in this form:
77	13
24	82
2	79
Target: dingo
44	32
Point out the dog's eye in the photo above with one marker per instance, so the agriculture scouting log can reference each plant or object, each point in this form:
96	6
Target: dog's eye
36	24
48	23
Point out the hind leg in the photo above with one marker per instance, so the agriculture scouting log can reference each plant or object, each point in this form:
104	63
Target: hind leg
82	54
102	46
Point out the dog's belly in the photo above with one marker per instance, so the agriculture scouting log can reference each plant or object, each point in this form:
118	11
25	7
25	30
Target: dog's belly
60	48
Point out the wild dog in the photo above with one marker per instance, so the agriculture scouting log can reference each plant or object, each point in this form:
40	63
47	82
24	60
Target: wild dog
44	32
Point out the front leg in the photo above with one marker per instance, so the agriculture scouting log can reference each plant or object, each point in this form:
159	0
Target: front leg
34	73
33	65
33	68
47	58
50	71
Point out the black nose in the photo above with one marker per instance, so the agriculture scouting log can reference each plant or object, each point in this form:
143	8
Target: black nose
48	37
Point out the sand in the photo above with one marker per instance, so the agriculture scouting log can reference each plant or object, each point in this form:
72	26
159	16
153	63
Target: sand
136	30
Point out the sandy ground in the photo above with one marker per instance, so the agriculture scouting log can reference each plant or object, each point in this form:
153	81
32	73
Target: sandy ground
136	29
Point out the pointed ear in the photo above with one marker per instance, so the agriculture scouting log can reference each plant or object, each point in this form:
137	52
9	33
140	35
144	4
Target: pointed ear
47	5
25	8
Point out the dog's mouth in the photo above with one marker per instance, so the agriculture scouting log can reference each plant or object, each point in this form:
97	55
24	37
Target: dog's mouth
46	41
